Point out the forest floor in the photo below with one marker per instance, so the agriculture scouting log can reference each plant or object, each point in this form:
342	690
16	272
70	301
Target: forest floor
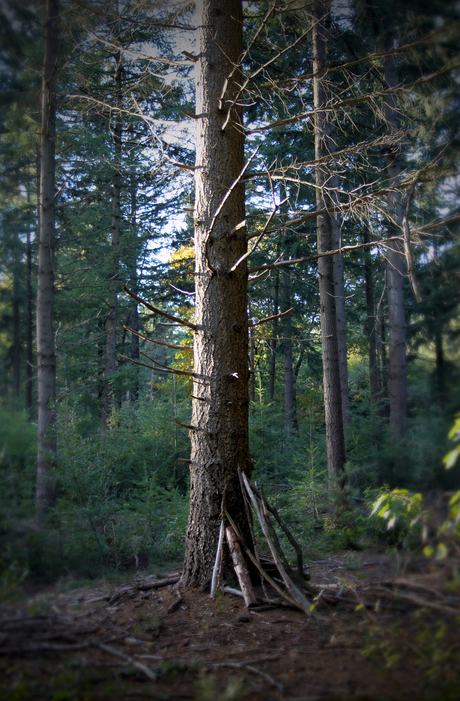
93	642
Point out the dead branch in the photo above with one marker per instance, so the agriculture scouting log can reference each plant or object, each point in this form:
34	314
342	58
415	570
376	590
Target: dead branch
176	319
158	343
158	585
179	600
166	367
270	318
249	668
344	249
240	567
259	567
259	238
127	658
356	100
295	593
220	207
216	567
157	369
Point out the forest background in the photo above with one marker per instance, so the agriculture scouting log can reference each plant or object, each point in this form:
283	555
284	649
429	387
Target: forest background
116	445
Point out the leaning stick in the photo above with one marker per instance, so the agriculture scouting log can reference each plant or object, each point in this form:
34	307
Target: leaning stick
294	591
217	561
260	568
287	532
240	567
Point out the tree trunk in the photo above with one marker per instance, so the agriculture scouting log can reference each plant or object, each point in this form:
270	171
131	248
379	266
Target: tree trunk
335	442
339	286
395	267
46	358
371	329
271	379
16	321
111	331
29	319
290	409
220	443
134	393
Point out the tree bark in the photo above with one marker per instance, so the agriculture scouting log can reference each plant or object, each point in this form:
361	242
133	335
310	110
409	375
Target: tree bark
134	393
111	331
29	318
272	375
46	358
395	266
339	286
220	442
16	321
335	442
290	407
371	329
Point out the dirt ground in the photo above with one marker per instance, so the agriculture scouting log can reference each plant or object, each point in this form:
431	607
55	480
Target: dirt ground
217	650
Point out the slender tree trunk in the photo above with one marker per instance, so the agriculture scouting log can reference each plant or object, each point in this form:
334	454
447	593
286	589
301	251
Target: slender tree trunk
111	331
271	380
252	359
395	267
290	407
16	322
29	319
134	395
46	358
384	366
219	437
335	442
339	286
371	330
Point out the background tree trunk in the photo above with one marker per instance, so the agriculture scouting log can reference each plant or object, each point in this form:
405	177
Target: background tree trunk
16	320
111	331
29	318
335	442
371	328
272	373
395	267
339	286
220	443
46	358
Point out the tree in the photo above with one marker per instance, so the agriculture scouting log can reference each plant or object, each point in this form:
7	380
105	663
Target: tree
46	357
219	432
335	440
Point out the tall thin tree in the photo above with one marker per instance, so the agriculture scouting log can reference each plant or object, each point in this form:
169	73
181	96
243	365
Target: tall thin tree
335	442
46	356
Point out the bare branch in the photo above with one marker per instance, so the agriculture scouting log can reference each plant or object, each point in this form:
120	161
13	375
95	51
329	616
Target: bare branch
158	343
344	249
259	238
271	318
158	311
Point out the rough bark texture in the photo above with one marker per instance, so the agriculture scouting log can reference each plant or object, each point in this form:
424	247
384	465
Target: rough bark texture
395	268
335	442
220	416
46	358
111	331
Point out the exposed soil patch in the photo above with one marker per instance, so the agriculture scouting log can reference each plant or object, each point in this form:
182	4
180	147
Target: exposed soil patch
82	645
